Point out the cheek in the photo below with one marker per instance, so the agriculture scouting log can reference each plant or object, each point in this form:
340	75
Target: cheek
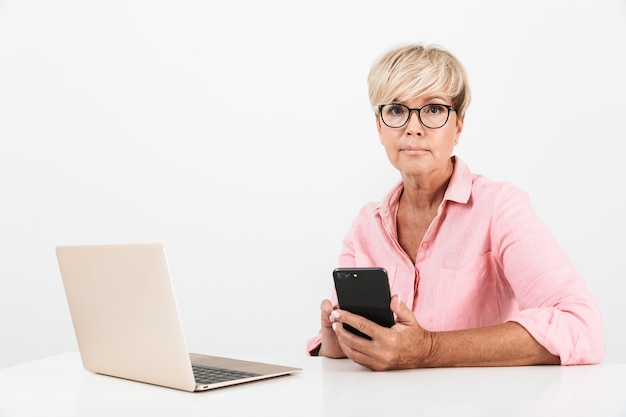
388	135
449	139
392	152
448	148
389	141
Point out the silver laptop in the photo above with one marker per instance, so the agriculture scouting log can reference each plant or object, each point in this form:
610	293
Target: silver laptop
127	324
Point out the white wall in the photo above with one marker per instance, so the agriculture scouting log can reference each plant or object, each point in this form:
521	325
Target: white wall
239	135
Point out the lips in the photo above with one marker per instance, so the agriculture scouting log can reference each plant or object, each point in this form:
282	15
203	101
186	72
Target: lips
414	150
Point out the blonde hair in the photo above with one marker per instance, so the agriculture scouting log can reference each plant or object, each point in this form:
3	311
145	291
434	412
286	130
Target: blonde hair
408	71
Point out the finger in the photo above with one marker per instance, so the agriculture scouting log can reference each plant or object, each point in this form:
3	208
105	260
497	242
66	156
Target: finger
346	338
326	308
404	315
357	348
360	323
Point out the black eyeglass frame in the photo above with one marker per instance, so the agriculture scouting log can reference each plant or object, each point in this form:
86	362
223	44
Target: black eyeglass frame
419	114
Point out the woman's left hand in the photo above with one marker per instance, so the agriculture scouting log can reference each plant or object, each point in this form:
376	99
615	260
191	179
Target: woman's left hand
404	345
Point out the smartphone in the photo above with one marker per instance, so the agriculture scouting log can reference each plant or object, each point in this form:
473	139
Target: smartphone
364	291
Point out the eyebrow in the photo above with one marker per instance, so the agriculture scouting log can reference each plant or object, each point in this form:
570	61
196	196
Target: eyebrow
434	97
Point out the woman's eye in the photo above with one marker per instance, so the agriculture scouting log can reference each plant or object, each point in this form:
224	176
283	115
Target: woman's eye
395	110
434	108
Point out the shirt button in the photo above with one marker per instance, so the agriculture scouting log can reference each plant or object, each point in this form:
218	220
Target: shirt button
425	245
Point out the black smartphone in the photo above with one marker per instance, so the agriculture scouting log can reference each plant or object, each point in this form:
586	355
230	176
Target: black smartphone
364	291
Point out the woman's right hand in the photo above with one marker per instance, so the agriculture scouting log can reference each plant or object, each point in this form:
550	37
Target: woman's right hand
330	345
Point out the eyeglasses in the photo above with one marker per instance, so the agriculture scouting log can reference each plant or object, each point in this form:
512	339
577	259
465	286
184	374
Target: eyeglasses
434	116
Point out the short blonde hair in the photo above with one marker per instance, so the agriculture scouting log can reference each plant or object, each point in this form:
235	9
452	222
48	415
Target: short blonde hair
408	71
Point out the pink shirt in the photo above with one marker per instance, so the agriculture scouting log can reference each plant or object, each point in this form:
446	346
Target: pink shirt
485	259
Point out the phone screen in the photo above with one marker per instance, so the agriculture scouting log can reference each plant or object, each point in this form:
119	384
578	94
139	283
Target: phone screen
364	291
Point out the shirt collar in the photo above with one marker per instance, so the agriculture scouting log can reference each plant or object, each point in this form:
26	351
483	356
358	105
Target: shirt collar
460	185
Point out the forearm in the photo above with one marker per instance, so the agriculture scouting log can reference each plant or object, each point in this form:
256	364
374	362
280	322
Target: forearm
507	344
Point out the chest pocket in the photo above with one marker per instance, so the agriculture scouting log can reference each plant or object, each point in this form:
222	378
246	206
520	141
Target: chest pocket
467	296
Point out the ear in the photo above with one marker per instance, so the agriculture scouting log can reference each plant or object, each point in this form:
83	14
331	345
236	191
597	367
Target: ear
459	129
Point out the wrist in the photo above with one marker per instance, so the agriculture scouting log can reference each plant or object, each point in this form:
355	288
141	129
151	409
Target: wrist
431	347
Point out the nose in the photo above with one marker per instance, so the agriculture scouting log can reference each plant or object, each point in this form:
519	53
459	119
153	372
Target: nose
414	125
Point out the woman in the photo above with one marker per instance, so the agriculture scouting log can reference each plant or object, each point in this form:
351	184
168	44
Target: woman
477	279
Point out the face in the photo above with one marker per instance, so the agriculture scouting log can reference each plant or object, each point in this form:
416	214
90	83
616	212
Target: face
416	150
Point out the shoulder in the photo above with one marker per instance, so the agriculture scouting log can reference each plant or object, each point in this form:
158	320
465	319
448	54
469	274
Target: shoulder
376	214
498	192
386	205
502	203
471	188
482	184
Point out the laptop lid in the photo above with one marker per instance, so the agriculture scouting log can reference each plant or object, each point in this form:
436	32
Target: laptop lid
126	319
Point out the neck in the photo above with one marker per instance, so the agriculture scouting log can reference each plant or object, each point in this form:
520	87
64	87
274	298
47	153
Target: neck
426	192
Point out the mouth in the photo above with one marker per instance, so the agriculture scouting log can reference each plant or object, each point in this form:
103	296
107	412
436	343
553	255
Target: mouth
414	151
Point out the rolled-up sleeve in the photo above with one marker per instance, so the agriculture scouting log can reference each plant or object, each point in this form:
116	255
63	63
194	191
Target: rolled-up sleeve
555	306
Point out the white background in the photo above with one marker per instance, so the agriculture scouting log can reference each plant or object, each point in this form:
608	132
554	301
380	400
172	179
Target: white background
239	135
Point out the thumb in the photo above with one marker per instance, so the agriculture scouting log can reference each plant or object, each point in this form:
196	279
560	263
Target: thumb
403	314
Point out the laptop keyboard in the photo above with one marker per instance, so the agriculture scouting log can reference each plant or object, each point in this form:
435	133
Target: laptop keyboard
209	375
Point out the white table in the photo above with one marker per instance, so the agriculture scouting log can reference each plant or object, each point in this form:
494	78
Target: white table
59	386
